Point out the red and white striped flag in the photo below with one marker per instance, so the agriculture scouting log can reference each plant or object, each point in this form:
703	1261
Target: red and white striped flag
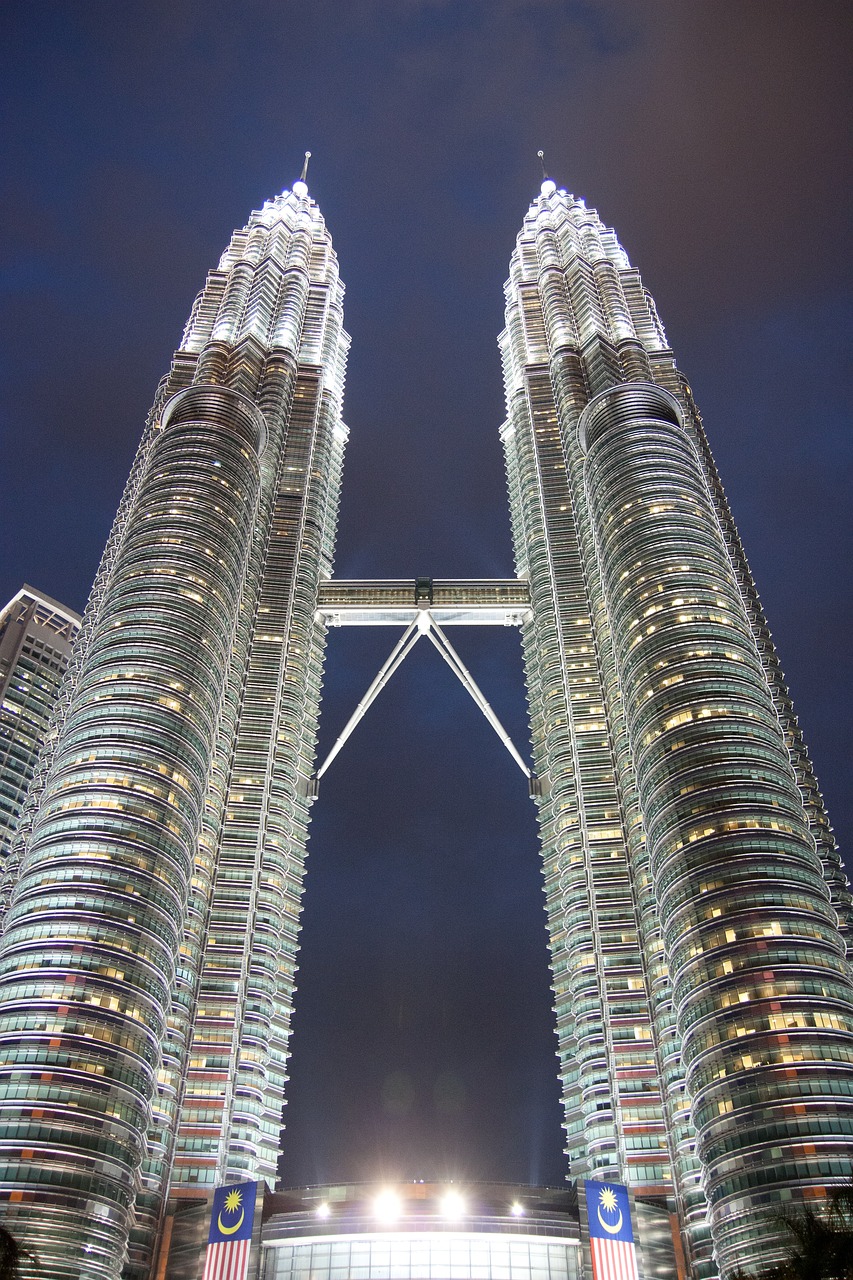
227	1261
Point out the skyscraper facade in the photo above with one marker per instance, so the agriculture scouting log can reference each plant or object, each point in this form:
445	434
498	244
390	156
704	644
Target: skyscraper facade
696	903
149	950
697	907
36	634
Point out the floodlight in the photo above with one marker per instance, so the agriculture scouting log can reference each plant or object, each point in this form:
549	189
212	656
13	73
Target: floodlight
452	1204
387	1206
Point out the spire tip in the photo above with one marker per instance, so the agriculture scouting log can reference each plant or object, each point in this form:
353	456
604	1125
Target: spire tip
548	186
300	187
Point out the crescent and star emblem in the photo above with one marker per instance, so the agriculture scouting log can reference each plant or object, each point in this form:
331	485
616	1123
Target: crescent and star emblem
608	1204
232	1204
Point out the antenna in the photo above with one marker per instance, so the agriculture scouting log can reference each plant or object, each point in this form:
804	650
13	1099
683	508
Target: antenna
304	174
541	155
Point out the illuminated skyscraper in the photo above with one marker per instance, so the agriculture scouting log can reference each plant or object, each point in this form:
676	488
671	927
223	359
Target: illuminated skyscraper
147	962
36	635
696	903
704	1003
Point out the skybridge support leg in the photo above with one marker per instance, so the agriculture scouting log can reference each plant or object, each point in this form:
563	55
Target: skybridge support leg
457	666
398	654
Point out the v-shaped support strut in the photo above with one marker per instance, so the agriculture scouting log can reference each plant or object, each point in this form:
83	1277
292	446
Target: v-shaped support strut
424	624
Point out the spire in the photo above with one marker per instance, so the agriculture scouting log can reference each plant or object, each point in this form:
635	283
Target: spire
548	186
300	188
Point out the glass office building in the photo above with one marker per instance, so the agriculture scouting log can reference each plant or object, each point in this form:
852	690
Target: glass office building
36	635
696	904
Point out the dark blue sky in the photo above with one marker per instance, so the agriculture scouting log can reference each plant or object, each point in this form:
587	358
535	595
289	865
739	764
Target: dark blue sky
715	137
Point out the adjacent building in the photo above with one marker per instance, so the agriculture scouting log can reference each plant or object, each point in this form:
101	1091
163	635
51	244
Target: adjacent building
36	635
696	904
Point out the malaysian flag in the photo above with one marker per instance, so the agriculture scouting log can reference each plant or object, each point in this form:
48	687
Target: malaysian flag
230	1235
611	1239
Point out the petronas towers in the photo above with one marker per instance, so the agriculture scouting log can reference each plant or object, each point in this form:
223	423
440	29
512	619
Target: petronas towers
696	904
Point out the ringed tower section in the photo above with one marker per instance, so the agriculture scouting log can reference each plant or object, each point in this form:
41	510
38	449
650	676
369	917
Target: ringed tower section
148	957
690	869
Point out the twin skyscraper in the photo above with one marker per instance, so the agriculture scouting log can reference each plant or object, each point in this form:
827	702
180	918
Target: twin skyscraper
696	903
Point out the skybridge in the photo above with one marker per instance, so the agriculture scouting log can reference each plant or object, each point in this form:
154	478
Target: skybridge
478	602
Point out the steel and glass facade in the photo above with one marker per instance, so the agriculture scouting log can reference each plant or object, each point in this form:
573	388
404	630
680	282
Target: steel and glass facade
147	963
696	904
36	635
422	1230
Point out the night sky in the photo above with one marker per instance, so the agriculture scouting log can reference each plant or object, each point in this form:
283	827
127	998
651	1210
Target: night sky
715	138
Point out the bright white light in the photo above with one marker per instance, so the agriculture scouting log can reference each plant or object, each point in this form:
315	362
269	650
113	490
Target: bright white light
516	1209
452	1204
300	188
322	1210
548	187
387	1206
